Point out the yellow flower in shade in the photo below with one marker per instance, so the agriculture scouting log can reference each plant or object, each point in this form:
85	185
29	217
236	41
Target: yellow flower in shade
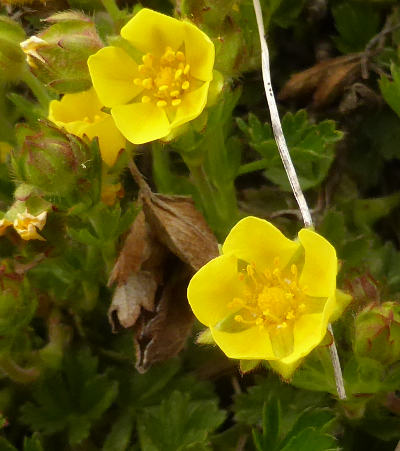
267	297
167	88
81	114
26	225
4	224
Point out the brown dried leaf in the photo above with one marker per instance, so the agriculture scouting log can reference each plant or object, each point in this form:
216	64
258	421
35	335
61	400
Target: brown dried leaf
331	86
164	335
181	227
137	249
129	298
327	79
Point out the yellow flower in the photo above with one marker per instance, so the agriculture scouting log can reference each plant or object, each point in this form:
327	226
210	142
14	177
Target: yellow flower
267	297
81	114
26	225
167	89
4	224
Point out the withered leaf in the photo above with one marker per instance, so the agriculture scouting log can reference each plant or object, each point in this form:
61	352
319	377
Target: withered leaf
168	241
164	335
129	298
180	227
326	80
136	250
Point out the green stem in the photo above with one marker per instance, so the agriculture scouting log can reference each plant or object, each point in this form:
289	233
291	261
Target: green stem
253	166
37	88
112	8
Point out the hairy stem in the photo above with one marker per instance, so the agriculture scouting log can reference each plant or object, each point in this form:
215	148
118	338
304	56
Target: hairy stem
291	171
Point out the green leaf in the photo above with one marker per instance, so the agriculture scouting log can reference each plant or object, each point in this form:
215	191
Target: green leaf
71	401
311	439
119	437
271	426
248	406
5	445
32	443
311	146
391	89
178	424
356	24
363	375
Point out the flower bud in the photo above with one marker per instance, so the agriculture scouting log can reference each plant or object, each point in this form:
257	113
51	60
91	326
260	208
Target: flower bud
377	332
52	161
12	61
58	55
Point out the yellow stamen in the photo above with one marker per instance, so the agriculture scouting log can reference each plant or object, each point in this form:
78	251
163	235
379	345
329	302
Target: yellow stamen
148	59
185	85
176	102
161	103
187	69
146	99
180	56
163	88
147	83
175	93
137	81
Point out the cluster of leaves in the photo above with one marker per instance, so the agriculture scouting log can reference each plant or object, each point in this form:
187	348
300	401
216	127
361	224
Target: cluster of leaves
66	380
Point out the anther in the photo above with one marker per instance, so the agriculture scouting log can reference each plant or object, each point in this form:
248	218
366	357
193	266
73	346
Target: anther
146	99
178	74
239	318
282	325
141	68
187	69
147	59
161	103
147	83
163	88
137	81
180	56
176	102
175	93
185	85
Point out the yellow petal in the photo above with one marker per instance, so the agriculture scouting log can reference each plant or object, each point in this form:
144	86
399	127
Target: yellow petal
75	107
192	105
320	265
200	52
251	343
308	332
150	31
141	122
342	301
111	140
258	241
212	288
113	71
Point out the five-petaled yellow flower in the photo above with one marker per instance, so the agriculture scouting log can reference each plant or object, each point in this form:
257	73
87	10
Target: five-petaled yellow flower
267	297
81	114
167	88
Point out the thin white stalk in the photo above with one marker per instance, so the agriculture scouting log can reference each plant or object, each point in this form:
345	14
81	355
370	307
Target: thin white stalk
291	172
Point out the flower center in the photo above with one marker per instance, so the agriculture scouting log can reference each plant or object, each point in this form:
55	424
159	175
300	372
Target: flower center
164	79
271	298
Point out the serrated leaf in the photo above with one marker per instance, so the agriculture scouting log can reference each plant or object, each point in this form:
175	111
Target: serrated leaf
178	424
71	401
311	146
